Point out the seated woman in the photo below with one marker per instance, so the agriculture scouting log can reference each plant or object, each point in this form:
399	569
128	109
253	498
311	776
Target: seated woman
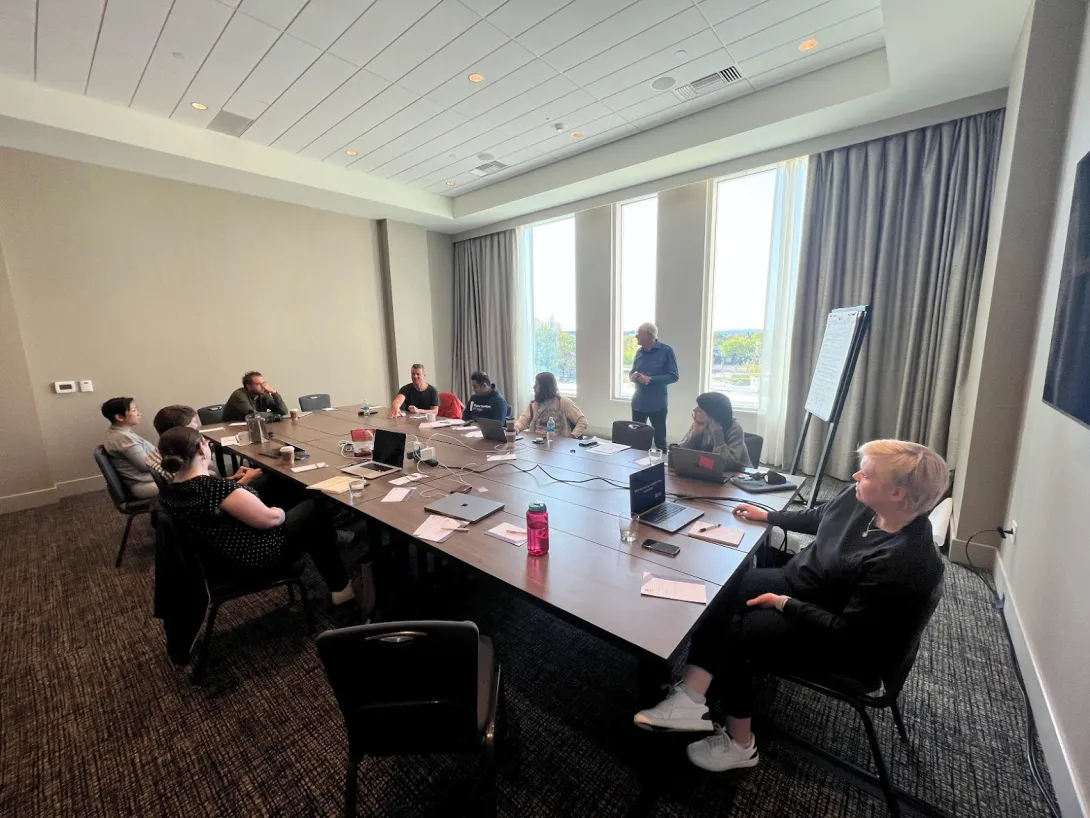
128	451
715	430
547	404
850	603
176	415
239	533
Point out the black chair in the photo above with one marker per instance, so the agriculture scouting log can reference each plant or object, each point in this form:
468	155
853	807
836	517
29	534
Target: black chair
310	403
210	414
223	589
636	435
862	694
412	688
126	505
754	444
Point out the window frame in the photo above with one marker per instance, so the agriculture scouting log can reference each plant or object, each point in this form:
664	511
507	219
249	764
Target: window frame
616	354
529	233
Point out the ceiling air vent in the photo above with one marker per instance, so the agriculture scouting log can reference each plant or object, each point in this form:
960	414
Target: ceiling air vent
488	168
230	124
705	85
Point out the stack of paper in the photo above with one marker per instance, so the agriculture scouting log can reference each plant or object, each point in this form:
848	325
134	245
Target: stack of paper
408	478
685	590
509	532
508	456
230	440
397	495
477	435
606	447
713	532
336	485
437	528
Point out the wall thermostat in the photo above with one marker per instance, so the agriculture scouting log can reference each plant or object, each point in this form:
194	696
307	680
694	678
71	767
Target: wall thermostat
63	387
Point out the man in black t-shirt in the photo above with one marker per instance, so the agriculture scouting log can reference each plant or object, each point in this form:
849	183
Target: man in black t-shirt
416	397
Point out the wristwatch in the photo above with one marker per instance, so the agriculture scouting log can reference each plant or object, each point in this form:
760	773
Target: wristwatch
783	604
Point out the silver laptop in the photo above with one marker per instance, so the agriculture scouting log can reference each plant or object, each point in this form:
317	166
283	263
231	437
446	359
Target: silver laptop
464	507
494	430
647	499
387	456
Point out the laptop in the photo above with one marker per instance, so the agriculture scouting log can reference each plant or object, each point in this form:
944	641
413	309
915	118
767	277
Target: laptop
647	498
494	430
703	465
387	456
464	507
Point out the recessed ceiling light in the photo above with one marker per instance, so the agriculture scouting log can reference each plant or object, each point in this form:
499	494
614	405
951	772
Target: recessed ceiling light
576	134
807	45
681	54
451	184
351	152
663	83
485	157
476	77
200	106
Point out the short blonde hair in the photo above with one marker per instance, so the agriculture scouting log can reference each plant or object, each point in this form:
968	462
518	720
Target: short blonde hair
913	467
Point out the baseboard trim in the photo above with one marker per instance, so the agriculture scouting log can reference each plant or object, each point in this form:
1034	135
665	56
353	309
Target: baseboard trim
983	554
44	497
1072	800
81	485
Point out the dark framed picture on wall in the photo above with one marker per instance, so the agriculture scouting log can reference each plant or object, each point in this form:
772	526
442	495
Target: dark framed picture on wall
1067	379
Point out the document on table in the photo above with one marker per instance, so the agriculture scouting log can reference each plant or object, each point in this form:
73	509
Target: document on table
336	485
310	467
713	532
684	590
442	424
408	478
213	429
509	456
304	414
437	528
607	447
230	440
240	423
508	532
397	495
643	461
477	435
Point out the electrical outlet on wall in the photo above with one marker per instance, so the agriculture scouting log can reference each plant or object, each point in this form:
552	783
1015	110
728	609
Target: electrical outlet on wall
1014	533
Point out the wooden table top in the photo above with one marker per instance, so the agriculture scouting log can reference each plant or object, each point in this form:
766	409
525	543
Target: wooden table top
589	575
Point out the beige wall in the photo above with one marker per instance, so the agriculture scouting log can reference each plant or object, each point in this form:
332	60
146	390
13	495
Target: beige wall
169	292
441	278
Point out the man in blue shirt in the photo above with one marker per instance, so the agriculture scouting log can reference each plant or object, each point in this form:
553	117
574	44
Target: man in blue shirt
654	368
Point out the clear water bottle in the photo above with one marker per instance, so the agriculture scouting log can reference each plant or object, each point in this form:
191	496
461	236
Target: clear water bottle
550	430
366	407
537	530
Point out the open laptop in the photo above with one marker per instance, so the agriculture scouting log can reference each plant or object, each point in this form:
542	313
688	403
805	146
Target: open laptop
387	456
464	507
647	498
494	430
703	465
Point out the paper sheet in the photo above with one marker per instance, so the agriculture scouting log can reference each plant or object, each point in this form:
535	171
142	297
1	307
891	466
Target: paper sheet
509	532
230	440
408	478
336	485
437	528
298	469
684	590
715	533
607	447
477	435
304	414
442	424
510	456
329	409
213	429
397	495
643	461
240	423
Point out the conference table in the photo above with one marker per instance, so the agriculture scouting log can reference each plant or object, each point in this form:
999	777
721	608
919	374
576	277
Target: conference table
589	577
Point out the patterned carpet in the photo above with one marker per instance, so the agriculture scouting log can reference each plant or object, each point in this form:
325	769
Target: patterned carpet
95	721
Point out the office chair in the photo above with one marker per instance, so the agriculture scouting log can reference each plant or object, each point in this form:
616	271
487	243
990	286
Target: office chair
223	589
754	444
630	433
210	414
311	403
438	691
126	505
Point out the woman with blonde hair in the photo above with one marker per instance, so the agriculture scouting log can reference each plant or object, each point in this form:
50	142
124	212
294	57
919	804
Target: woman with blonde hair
850	603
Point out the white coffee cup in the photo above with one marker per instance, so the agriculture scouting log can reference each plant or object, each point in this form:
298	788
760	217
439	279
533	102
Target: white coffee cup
287	455
294	413
243	438
430	417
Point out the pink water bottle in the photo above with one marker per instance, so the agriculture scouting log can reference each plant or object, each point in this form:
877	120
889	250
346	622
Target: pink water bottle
537	529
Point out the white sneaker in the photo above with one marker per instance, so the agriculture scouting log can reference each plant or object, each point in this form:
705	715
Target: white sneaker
719	752
676	712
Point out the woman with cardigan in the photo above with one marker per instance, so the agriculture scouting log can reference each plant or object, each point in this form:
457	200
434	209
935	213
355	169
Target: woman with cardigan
548	405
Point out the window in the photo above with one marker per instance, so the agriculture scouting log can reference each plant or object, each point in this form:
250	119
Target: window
744	216
634	287
552	259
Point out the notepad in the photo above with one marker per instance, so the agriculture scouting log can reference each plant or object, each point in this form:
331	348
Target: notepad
510	456
336	485
408	478
213	429
477	435
509	532
230	440
606	447
311	467
397	495
437	528
716	533
683	590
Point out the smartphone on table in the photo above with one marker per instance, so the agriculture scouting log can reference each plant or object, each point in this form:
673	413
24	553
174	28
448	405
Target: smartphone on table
669	549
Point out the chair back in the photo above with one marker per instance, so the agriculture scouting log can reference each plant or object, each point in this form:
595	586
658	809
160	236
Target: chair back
210	414
894	677
450	406
311	403
115	486
754	444
630	433
404	685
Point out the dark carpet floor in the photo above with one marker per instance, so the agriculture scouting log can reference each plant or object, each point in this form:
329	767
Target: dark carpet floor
95	721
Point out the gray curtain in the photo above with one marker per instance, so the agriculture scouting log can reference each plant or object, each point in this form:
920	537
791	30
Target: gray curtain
900	223
484	310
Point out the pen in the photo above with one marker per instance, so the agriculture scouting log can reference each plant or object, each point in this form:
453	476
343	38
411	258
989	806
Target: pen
709	527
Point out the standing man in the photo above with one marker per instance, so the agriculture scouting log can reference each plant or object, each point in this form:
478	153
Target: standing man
255	395
653	369
417	397
486	400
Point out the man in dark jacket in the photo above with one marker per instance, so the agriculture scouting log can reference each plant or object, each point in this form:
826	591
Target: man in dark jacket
255	395
486	400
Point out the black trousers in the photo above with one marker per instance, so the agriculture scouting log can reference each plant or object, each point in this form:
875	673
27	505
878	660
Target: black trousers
308	526
735	642
657	420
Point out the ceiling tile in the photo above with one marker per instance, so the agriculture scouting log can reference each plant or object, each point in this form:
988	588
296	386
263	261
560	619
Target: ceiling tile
17	19
434	127
652	61
702	50
591	142
455	59
620	30
377	110
129	31
455	171
323	21
484	7
576	104
692	106
827	38
362	87
649	106
693	70
67	31
592	129
232	3
568	22
516	16
240	48
719	10
283	65
437	153
655	40
806	25
442	187
437	28
546	92
318	82
506	88
503	61
191	30
409	117
761	17
380	25
819	59
277	13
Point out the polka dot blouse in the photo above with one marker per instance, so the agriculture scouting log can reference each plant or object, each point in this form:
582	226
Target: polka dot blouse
196	504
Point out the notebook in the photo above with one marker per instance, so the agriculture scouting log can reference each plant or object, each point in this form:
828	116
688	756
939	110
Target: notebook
684	590
713	532
509	532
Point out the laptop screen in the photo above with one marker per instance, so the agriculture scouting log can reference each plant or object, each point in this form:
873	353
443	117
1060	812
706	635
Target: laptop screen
647	488
389	448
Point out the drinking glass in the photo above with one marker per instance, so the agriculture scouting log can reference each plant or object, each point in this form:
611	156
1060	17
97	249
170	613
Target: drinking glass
355	490
654	454
627	525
